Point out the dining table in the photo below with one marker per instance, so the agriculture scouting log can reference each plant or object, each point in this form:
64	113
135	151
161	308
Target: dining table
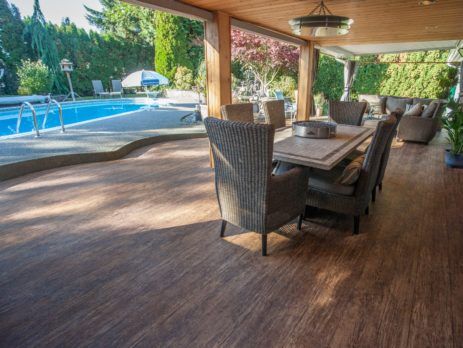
322	154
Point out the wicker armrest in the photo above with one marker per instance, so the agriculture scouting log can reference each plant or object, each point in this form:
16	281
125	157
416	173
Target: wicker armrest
416	120
417	128
288	190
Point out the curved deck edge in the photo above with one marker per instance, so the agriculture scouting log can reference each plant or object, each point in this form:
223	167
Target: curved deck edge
17	169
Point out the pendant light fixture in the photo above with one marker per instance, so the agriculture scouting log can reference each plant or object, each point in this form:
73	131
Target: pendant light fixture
320	23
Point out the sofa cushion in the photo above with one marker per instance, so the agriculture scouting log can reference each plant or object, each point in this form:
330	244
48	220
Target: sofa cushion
429	111
327	181
376	103
394	103
414	110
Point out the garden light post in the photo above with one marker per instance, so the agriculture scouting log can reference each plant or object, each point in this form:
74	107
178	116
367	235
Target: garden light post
66	67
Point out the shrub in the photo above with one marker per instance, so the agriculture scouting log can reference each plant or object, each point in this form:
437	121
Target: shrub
183	78
286	84
200	80
34	78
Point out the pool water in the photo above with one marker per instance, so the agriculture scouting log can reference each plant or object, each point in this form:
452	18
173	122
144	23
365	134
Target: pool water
72	113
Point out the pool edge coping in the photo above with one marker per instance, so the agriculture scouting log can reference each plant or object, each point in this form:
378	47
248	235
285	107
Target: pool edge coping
16	169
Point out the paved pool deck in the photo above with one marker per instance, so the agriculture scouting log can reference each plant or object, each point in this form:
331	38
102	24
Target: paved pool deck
99	140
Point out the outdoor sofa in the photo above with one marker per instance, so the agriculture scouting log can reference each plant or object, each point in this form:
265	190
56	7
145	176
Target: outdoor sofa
419	127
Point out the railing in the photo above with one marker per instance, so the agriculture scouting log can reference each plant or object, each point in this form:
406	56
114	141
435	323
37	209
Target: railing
60	113
34	117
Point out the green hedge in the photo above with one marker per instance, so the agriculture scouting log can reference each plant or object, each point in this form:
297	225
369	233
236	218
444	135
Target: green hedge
384	75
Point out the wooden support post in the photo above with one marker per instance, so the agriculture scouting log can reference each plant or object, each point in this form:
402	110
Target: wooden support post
305	84
217	44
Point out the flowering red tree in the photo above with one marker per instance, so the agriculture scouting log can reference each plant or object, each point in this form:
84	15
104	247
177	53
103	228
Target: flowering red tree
264	57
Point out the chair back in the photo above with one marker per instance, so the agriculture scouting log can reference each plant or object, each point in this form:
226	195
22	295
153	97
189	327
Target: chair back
350	113
242	155
274	111
279	95
242	112
385	157
370	168
97	86
117	85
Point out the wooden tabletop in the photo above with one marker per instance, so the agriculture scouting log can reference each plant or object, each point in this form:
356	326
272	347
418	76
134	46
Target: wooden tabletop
319	153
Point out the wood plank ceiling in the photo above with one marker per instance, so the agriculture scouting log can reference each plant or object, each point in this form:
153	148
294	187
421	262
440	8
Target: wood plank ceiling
375	21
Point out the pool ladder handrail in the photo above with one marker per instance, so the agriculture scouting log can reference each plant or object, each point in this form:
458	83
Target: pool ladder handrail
34	118
60	113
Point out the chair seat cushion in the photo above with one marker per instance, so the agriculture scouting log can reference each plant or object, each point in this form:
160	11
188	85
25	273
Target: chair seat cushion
324	180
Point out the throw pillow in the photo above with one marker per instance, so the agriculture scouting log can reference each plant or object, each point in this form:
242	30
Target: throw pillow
430	109
351	173
414	110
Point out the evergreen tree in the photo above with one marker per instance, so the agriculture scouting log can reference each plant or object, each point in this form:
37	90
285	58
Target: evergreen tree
43	44
171	45
125	21
12	46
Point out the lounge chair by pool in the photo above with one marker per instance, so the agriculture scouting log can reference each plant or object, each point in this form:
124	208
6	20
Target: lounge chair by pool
117	88
98	88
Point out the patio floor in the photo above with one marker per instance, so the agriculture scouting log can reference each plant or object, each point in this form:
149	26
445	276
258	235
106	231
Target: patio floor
127	253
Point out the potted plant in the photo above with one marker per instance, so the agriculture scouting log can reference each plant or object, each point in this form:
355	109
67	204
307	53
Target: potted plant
453	124
320	101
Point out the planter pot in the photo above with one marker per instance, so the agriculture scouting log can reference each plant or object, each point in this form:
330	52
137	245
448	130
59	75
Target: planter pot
318	112
204	112
454	161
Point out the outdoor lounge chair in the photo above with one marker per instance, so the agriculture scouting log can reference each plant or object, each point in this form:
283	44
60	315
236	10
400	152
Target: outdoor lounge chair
117	88
238	112
249	195
98	89
421	128
274	112
325	191
350	113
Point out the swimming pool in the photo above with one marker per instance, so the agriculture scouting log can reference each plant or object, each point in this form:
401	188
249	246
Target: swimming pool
73	112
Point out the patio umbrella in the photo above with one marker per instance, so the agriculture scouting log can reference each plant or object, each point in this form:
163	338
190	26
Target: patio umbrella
144	78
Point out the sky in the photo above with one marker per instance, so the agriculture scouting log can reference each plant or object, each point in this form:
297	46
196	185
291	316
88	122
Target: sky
55	10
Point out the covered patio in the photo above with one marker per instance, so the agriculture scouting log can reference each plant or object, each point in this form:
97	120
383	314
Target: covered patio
128	253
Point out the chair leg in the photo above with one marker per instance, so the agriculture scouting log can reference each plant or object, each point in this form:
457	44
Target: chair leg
356	224
299	222
367	210
380	186
373	194
222	228
264	244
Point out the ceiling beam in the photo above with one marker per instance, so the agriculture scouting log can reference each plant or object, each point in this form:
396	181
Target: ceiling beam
336	51
181	9
176	8
272	34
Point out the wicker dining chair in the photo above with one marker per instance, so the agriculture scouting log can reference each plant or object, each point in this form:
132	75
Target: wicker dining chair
242	112
249	195
385	157
274	111
350	113
325	192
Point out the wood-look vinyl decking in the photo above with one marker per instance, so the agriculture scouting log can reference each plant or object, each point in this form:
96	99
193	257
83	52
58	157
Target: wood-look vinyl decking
128	253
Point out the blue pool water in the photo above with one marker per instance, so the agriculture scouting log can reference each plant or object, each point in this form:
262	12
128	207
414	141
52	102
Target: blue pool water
72	113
